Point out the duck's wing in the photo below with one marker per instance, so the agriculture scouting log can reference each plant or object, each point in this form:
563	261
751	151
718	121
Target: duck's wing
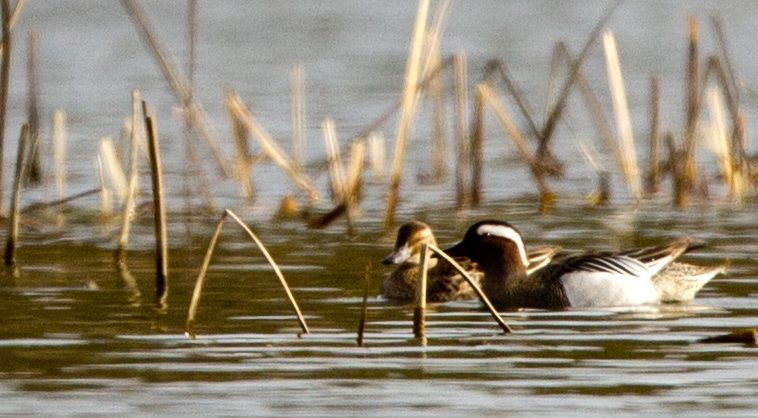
658	257
540	257
613	278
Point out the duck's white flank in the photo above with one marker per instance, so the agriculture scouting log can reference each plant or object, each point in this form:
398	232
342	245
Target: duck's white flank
592	289
507	233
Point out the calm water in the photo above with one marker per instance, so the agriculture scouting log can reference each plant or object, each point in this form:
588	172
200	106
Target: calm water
78	337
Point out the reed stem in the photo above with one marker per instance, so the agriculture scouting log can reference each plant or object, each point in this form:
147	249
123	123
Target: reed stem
179	85
161	238
39	206
297	111
15	215
510	129
407	109
200	281
131	189
5	68
419	311
460	87
543	151
629	167
34	171
106	206
267	143
59	152
113	167
273	264
437	97
653	165
376	155
693	111
495	315
364	307
475	156
336	172
244	162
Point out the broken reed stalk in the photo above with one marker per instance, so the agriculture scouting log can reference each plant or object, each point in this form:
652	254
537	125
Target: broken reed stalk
718	29
495	315
106	207
653	180
521	101
267	143
243	161
59	152
594	107
297	113
627	152
273	264
336	172
188	329
192	42
131	189
721	146
34	171
179	86
376	152
419	311
15	216
475	151
44	205
548	127
460	87
364	307
4	79
407	109
193	167
510	130
161	238
714	67
693	111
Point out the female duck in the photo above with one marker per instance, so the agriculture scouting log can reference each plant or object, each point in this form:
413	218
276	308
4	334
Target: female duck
444	282
644	276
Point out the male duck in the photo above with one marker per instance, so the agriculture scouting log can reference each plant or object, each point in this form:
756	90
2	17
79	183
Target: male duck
636	277
444	282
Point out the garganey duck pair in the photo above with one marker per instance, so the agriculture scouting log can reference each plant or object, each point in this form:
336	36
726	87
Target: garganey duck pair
513	277
444	283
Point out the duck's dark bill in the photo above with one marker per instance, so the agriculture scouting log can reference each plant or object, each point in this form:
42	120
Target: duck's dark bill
457	250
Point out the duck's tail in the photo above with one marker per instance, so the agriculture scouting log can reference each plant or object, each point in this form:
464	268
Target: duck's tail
679	282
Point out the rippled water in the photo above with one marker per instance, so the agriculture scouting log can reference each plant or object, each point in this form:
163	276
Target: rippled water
78	337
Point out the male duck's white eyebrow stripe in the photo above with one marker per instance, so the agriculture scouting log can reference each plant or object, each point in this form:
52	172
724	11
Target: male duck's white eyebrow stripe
507	233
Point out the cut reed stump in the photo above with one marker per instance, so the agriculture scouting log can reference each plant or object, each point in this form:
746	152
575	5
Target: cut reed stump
161	239
15	216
